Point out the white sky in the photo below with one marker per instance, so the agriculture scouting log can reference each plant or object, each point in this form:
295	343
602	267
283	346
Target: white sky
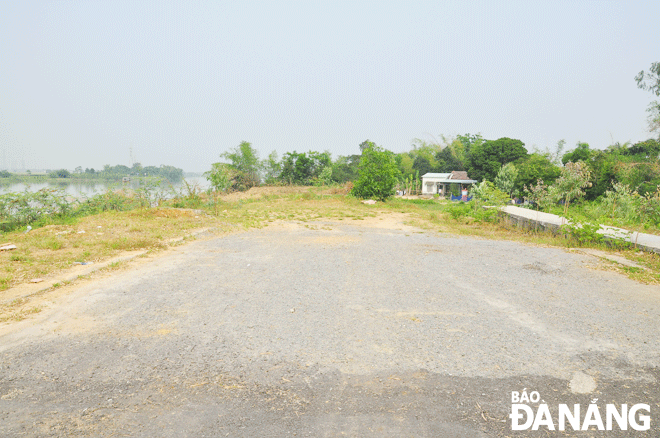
183	81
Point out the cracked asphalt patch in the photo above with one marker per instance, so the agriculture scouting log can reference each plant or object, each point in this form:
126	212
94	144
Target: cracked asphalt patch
337	331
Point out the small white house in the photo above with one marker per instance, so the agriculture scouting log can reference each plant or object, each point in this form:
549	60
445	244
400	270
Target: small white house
438	183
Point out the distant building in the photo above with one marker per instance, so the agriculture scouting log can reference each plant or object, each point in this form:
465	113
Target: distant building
438	183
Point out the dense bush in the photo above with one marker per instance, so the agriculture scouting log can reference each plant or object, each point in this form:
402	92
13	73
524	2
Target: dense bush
488	194
60	173
377	174
46	205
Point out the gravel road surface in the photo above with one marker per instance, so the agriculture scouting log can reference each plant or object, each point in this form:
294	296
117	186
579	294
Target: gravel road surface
333	329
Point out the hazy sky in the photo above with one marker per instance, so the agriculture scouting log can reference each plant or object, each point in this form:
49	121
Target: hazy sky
182	82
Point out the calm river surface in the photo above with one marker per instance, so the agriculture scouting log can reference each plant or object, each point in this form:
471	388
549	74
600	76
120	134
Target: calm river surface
91	188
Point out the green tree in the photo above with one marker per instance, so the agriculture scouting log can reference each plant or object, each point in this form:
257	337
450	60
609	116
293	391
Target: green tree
422	165
241	174
377	174
603	168
272	168
488	157
580	153
451	157
506	178
571	184
555	157
538	194
120	170
469	140
221	176
364	145
404	163
644	150
654	117
325	177
643	177
486	192
534	167
245	159
303	168
425	152
345	168
650	81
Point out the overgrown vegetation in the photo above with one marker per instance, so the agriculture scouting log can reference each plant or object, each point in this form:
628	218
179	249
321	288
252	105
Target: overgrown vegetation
504	162
48	206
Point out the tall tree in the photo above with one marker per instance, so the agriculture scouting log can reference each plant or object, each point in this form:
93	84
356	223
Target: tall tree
486	159
450	158
651	81
534	167
571	184
644	150
364	145
345	168
506	178
245	159
303	168
404	162
241	174
580	153
272	168
378	174
469	139
422	165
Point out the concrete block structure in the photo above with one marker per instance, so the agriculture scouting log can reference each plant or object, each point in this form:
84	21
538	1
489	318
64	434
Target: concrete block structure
438	183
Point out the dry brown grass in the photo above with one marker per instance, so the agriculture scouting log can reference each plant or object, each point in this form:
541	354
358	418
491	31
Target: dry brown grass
53	248
261	192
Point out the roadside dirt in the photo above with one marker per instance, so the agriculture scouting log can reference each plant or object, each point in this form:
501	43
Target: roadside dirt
27	300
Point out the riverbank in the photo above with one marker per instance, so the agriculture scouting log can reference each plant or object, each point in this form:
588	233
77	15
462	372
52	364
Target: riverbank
74	178
84	188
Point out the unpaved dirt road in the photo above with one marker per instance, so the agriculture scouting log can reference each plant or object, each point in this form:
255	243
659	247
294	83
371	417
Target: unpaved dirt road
328	330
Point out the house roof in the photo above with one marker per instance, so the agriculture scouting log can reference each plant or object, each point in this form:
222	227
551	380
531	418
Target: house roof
457	176
461	181
437	175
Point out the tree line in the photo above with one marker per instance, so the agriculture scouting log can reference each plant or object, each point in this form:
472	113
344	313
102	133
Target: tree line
504	161
170	173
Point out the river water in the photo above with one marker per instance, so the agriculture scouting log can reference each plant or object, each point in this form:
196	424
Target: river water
83	189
